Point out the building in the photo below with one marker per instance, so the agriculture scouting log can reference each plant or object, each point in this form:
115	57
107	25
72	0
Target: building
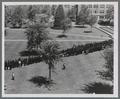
99	10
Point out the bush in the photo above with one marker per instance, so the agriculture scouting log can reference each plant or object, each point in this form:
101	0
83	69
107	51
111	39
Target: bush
106	23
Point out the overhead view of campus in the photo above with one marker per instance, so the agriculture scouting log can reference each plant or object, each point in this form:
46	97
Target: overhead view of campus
59	49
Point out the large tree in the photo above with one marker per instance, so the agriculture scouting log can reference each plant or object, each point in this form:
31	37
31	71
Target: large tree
17	17
36	34
59	16
50	54
83	15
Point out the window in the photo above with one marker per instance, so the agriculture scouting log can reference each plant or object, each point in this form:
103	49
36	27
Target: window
95	6
102	6
101	17
66	6
102	11
107	6
95	11
90	6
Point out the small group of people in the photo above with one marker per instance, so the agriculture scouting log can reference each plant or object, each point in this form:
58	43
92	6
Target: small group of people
21	62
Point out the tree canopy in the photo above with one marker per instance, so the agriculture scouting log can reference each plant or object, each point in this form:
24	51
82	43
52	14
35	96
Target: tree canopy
17	17
83	15
59	16
36	34
50	54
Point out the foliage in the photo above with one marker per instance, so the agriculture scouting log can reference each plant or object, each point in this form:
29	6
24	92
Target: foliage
59	16
83	15
8	16
46	10
71	13
106	23
110	13
66	24
53	9
31	13
98	88
17	17
36	34
91	20
107	73
50	54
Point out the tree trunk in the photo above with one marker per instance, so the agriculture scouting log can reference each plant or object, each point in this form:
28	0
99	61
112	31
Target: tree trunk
49	72
91	28
76	11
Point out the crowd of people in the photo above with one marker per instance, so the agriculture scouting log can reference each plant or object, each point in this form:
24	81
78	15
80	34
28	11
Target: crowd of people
75	50
87	48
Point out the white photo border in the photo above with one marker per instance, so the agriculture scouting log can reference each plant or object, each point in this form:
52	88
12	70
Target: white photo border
115	90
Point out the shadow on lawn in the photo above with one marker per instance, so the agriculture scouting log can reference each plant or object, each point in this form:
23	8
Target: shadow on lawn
42	81
56	28
98	88
61	36
80	26
28	53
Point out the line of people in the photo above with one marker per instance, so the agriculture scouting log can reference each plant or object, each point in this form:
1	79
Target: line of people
75	50
87	48
21	62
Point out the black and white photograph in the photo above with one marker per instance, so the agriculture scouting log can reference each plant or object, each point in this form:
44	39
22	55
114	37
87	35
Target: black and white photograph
60	49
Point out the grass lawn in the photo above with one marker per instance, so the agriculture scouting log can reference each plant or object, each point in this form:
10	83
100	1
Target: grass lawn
79	70
12	48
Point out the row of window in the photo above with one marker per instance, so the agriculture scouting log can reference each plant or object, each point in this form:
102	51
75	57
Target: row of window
96	11
99	6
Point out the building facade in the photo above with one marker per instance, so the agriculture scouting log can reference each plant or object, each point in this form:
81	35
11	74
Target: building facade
98	10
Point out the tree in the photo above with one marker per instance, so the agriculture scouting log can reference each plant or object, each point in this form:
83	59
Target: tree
66	24
53	9
31	13
36	34
76	7
50	54
8	14
110	13
107	74
91	20
83	15
59	16
71	13
17	17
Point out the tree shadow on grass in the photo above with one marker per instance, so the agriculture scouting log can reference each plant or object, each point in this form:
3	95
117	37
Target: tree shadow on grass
62	36
80	26
28	53
87	31
56	28
42	81
98	88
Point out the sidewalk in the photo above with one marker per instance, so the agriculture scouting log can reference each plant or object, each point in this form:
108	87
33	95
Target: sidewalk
97	26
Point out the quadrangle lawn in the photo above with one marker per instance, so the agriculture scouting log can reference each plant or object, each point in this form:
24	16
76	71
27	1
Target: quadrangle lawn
79	70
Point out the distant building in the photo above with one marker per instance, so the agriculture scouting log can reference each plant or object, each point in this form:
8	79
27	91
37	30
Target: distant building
99	10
